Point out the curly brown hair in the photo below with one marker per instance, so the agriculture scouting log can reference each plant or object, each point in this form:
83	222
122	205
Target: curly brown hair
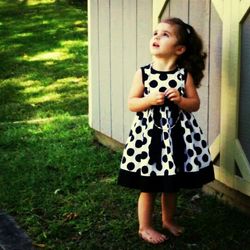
193	59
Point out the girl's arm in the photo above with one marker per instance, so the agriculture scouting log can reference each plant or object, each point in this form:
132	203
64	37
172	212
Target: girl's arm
136	101
191	102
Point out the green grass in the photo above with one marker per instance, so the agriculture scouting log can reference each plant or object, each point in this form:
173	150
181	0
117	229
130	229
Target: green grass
56	180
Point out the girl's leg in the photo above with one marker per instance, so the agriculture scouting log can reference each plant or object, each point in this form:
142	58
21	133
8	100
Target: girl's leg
168	204
145	213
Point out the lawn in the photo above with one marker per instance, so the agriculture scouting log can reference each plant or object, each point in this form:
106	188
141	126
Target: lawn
56	180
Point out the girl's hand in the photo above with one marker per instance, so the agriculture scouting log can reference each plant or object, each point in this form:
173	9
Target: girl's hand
173	95
156	98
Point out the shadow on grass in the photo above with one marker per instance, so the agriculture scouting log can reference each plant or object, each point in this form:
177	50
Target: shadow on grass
42	43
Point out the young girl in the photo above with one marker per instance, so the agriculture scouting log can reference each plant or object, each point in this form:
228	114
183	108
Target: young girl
166	149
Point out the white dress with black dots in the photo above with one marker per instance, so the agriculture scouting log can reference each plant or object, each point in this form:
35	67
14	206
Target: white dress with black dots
166	149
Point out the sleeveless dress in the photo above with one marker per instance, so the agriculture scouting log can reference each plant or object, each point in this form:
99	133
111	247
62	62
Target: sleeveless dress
166	149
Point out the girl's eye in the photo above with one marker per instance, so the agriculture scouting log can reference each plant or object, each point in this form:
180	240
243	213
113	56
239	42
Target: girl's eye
165	34
155	33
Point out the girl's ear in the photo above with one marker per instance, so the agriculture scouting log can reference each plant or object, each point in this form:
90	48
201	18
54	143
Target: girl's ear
180	49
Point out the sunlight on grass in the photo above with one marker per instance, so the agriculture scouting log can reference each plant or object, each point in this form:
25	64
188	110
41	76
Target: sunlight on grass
50	92
80	29
69	79
29	83
72	43
63	82
23	35
33	89
49	56
49	97
49	63
35	2
78	23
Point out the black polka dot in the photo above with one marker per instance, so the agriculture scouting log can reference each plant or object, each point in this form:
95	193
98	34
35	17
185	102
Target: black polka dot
205	158
166	172
144	121
150	133
190	152
165	158
198	150
138	130
140	115
166	136
153	174
188	116
132	138
189	167
153	84
182	130
197	136
162	89
195	123
131	166
145	77
164	121
189	138
203	143
181	116
163	76
146	90
144	155
151	161
130	151
150	119
145	141
172	83
138	158
191	129
144	169
187	124
123	159
168	150
159	167
170	164
197	162
138	143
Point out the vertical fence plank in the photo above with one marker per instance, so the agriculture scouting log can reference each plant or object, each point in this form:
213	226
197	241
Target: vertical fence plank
214	74
129	58
116	69
179	8
104	66
244	102
93	51
144	31
199	17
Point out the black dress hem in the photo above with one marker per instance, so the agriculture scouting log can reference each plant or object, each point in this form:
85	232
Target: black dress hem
166	184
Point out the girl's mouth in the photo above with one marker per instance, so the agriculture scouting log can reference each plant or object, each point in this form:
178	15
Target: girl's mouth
156	45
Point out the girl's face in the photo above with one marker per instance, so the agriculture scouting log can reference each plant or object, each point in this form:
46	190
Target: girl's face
164	42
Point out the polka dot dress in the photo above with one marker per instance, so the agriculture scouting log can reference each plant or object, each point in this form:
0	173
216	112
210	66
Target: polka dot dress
166	149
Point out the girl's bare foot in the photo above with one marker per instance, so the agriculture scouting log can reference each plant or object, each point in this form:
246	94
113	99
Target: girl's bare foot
175	229
152	236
